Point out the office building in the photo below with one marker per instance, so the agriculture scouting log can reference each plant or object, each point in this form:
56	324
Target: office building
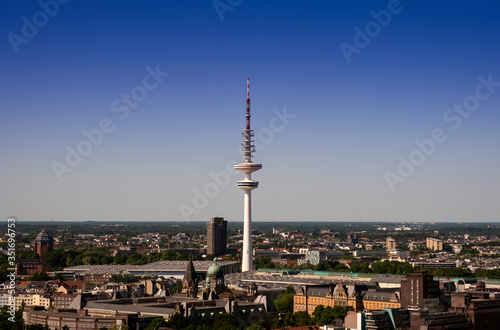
217	236
434	244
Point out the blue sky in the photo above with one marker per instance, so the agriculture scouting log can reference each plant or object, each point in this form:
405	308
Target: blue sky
333	130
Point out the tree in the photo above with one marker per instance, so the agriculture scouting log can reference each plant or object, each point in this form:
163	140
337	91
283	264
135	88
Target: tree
27	254
59	276
5	323
468	250
123	278
88	260
159	321
39	277
263	262
255	327
37	327
226	322
119	327
259	324
175	289
284	303
298	319
177	321
325	315
290	289
341	268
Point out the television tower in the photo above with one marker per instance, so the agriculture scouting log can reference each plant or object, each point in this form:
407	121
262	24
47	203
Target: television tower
247	167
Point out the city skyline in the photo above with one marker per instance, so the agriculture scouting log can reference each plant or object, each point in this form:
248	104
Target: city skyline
383	111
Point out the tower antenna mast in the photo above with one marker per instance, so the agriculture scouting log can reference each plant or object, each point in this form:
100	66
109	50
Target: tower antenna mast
247	185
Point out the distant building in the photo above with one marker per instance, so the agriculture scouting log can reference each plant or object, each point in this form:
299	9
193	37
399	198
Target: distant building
399	255
314	257
78	319
434	244
352	239
370	253
165	268
25	299
64	300
97	279
425	320
267	253
434	265
217	236
44	243
390	244
29	266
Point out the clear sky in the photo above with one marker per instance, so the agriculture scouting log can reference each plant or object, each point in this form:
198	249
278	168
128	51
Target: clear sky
131	110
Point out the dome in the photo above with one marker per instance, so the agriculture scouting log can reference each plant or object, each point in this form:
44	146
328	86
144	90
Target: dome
215	269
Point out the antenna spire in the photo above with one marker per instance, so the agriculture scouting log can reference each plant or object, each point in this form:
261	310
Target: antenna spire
248	104
248	88
247	185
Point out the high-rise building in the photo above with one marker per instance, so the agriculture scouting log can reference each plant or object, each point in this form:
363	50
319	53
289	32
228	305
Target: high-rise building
44	243
352	239
390	244
217	236
420	290
247	185
434	244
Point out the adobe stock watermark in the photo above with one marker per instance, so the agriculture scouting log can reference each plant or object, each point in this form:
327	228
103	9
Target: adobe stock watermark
220	180
11	267
372	29
222	6
30	28
427	147
121	106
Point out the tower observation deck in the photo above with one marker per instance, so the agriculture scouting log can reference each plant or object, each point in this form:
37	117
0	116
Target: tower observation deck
247	185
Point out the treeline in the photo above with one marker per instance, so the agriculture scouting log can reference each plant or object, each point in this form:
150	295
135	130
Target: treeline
321	315
462	272
8	321
384	267
380	267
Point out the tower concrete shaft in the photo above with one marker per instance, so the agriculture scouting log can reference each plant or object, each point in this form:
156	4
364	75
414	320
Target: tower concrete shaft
247	185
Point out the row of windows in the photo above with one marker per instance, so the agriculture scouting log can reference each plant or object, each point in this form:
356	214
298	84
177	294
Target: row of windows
369	305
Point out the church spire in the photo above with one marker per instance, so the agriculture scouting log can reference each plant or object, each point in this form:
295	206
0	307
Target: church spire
190	280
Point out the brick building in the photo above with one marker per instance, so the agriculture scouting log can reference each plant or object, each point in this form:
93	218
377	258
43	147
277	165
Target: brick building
44	243
420	290
29	266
